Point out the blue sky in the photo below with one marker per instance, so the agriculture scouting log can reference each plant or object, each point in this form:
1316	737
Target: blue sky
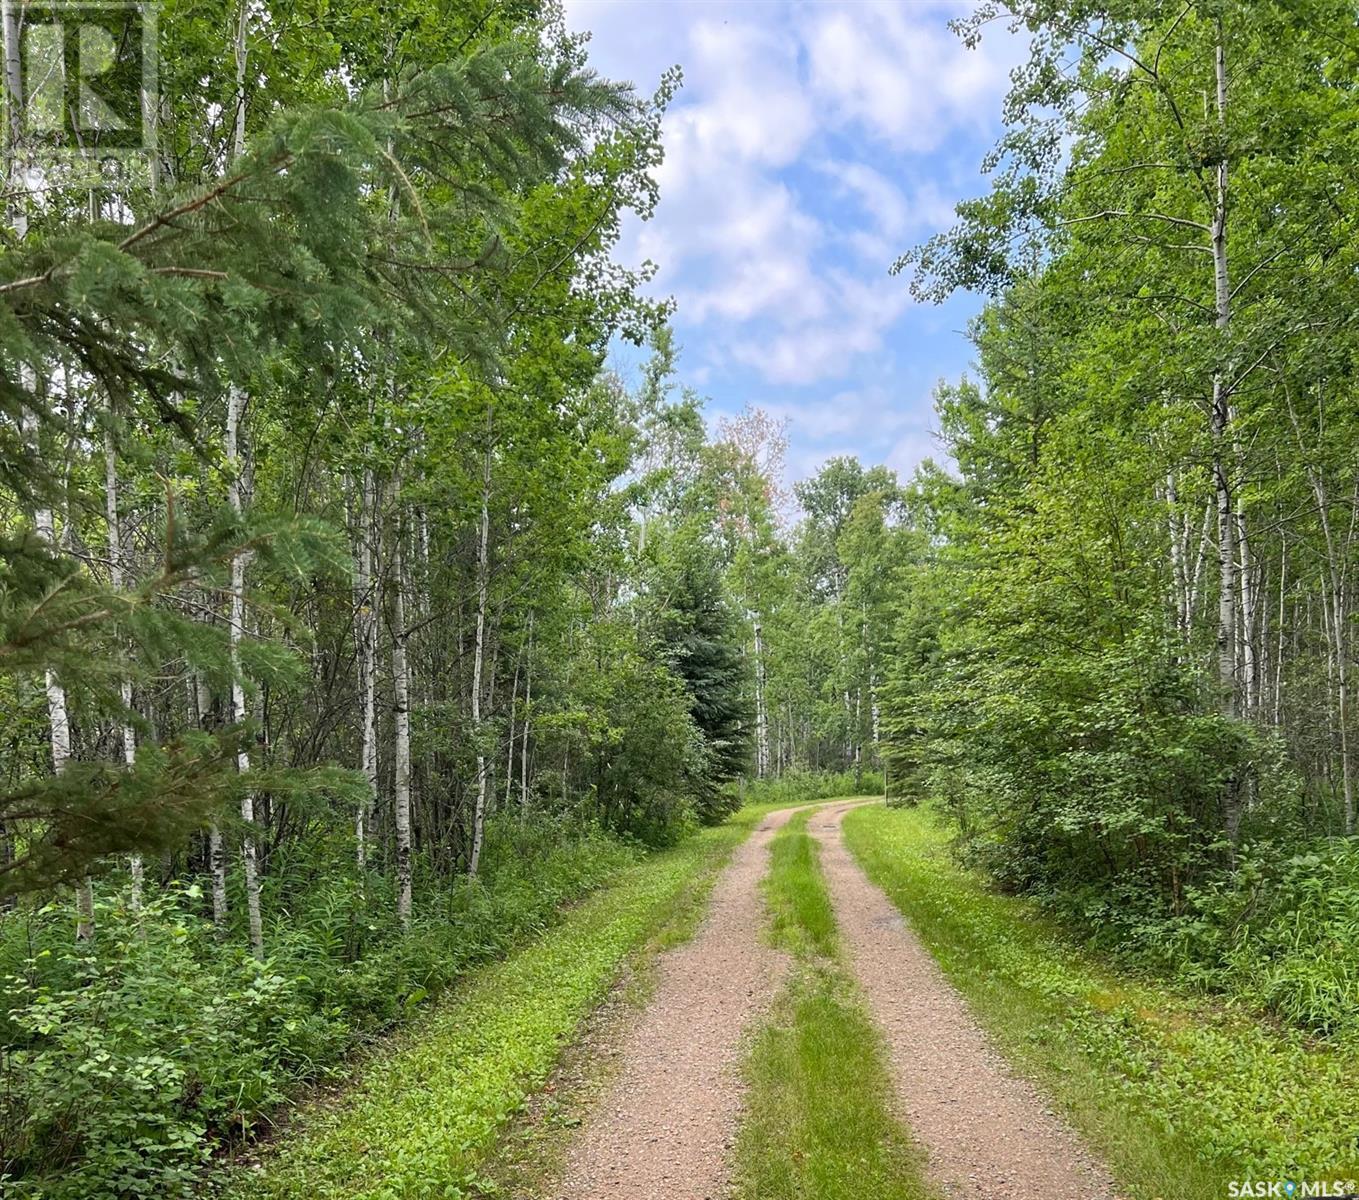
811	143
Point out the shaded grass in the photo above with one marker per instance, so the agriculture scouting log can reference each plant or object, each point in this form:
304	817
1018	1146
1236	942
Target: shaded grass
1177	1095
818	1123
427	1107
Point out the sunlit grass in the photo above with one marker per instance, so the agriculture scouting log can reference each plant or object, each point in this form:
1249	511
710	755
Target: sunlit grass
428	1106
802	919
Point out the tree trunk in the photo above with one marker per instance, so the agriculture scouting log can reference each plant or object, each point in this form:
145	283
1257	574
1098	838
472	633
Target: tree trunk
1249	617
58	714
509	756
761	713
367	600
238	465
15	186
1219	422
858	738
240	53
483	588
1336	611
1184	587
115	533
1279	637
528	711
1335	605
402	685
216	847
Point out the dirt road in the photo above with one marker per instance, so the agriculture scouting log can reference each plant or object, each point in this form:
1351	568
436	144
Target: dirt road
664	1128
988	1133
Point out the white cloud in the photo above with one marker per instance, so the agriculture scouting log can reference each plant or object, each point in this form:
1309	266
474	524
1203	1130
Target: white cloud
912	449
759	248
754	108
811	143
879	197
883	217
802	352
873	411
900	72
804	462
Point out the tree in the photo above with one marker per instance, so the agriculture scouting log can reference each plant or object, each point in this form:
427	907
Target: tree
1106	657
702	638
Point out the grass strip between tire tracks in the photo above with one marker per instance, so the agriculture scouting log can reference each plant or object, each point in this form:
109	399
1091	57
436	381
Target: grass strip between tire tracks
819	1123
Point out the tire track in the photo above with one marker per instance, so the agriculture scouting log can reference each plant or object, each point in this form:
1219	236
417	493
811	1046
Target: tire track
664	1127
988	1133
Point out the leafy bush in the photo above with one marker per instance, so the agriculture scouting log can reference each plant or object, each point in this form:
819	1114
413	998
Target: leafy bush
802	787
128	1062
1280	932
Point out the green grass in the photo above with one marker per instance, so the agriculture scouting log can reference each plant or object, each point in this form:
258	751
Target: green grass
530	1152
425	1109
818	1123
801	917
1177	1094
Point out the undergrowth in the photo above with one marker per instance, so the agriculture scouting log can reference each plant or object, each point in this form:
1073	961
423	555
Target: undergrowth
800	787
1282	932
420	1117
130	1061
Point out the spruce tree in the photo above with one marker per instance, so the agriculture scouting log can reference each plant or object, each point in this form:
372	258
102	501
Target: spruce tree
703	638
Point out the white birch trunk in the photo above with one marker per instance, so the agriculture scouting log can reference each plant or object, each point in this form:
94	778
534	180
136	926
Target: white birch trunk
479	654
236	631
1219	428
761	713
216	847
1279	637
1335	609
858	735
402	687
115	534
1249	618
1206	545
1179	569
15	187
58	715
367	601
240	54
509	757
528	716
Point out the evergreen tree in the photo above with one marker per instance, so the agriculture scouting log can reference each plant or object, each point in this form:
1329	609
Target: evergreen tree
703	638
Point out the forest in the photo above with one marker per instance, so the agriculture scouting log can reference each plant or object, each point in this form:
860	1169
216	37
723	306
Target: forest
364	627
